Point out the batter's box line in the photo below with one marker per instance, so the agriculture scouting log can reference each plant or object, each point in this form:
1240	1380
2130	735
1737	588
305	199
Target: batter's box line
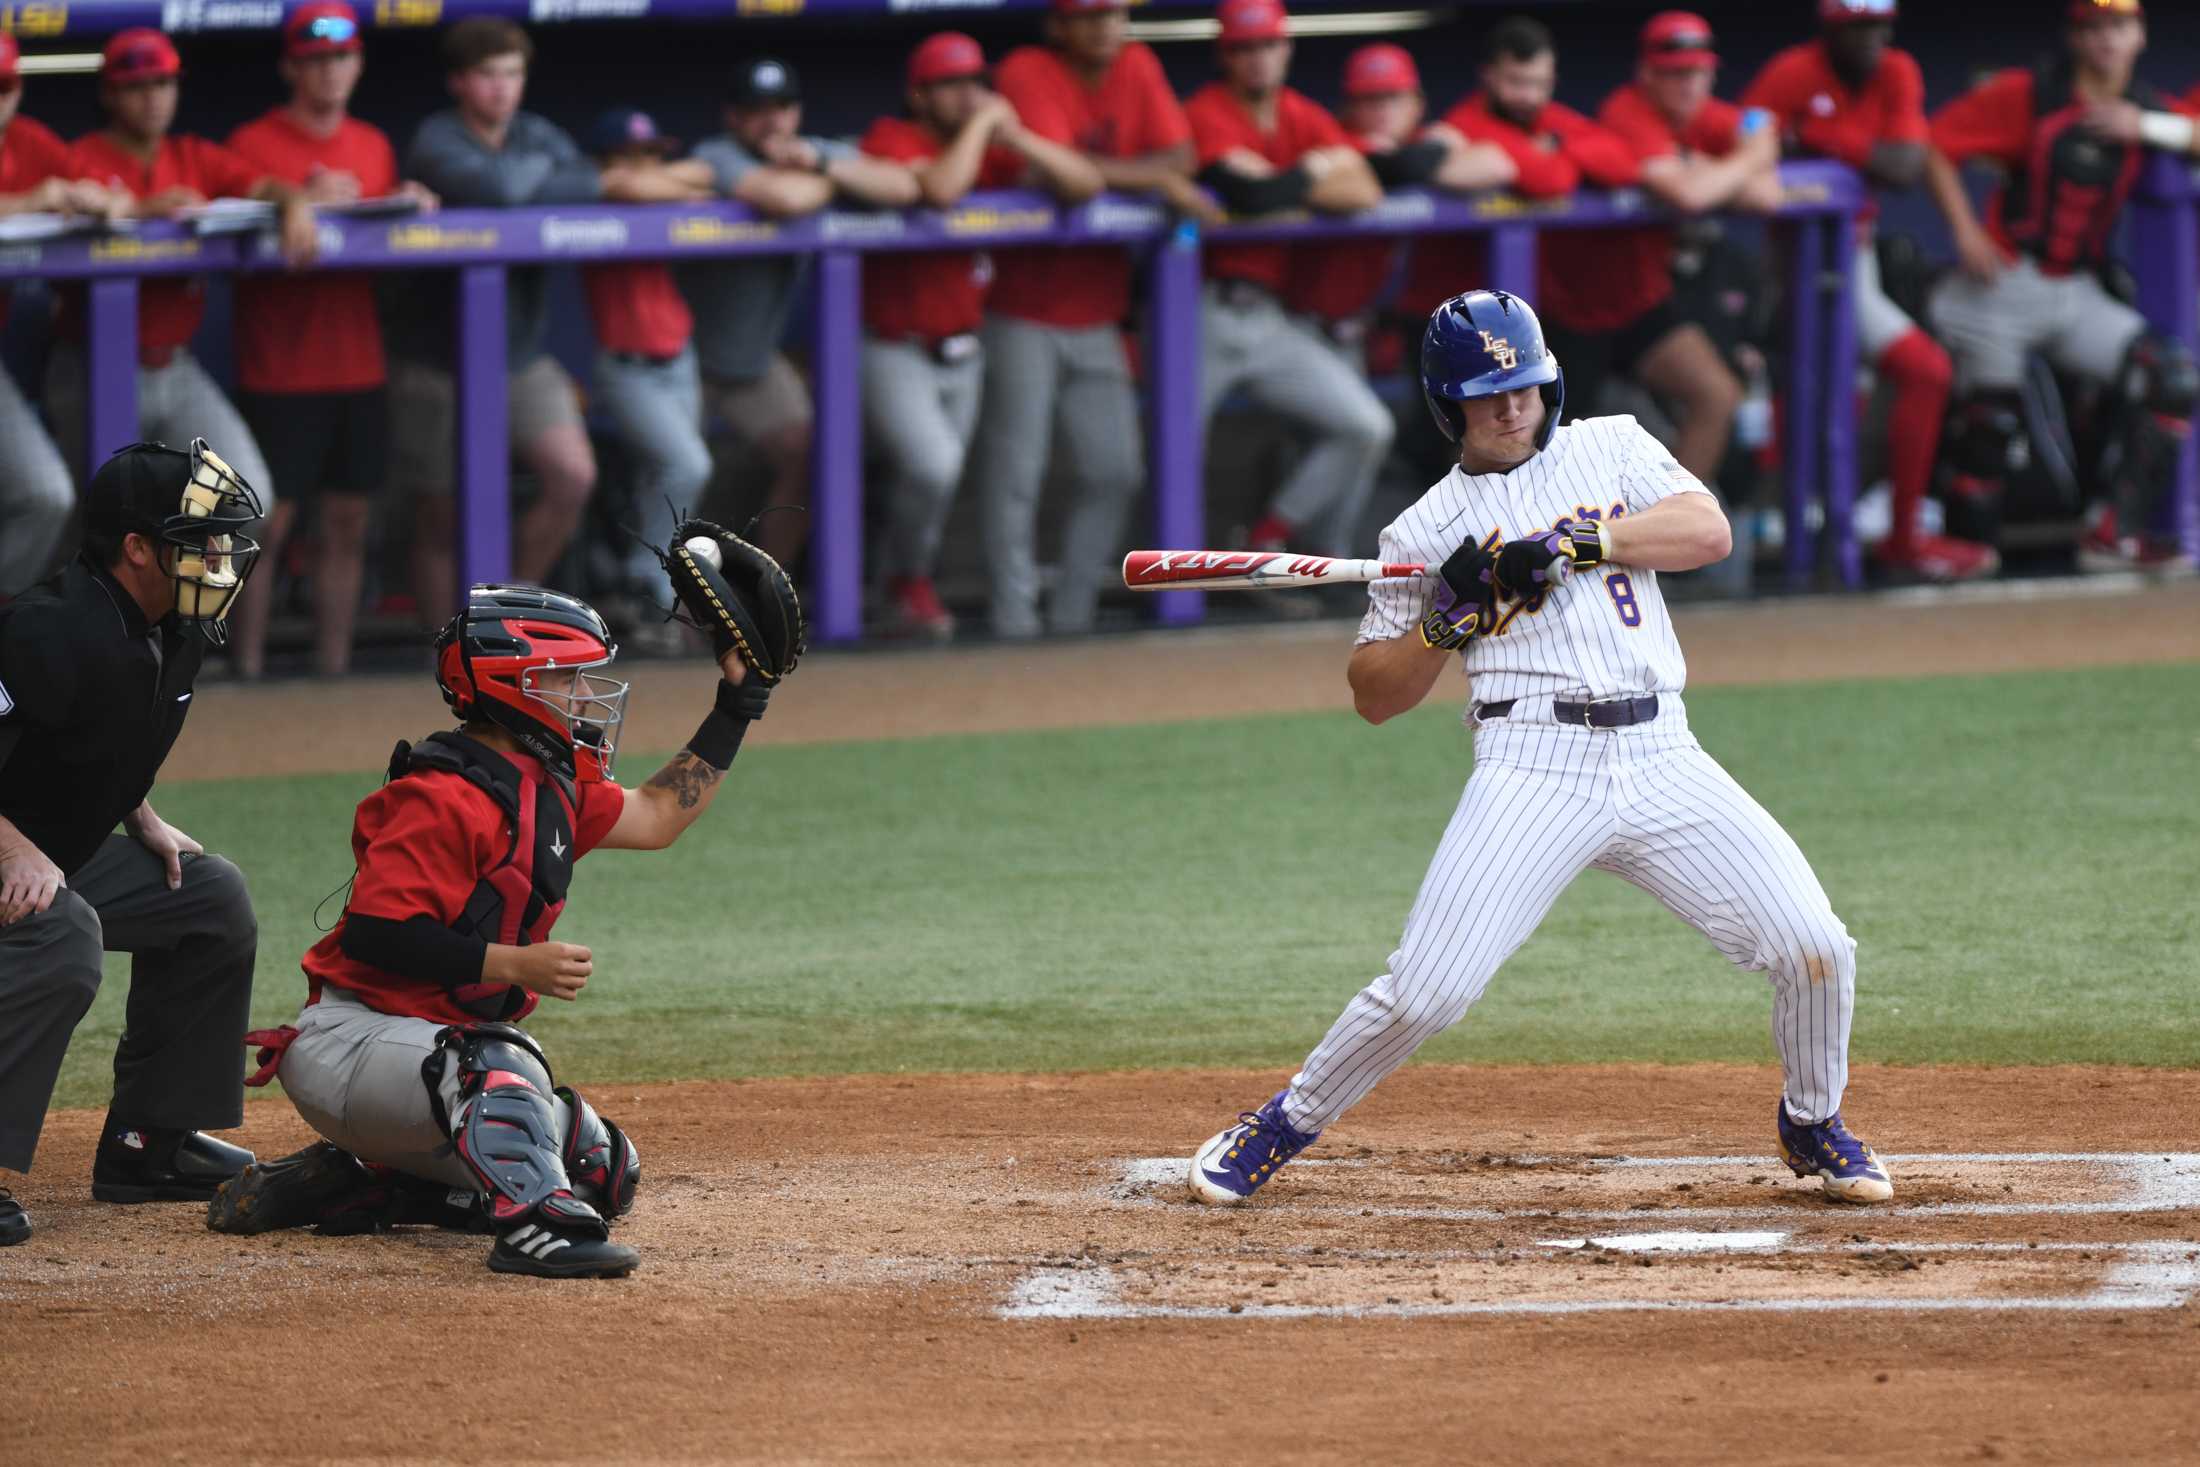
2152	1181
2146	1276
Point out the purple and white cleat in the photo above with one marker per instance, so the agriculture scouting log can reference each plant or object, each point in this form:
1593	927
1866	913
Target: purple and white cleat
1234	1165
1851	1170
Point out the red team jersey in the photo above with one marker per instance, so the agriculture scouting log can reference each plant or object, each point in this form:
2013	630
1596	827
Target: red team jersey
1130	114
637	309
315	332
169	307
1220	124
1819	114
30	153
1600	279
1560	153
1340	278
421	843
927	295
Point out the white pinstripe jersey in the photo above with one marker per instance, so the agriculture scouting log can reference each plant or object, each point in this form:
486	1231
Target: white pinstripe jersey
1599	634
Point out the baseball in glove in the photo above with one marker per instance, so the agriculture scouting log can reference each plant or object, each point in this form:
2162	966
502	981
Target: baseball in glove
739	597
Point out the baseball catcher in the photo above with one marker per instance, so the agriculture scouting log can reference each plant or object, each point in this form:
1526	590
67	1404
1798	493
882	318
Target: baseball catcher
410	1057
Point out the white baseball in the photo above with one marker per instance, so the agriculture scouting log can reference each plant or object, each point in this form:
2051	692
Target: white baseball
706	551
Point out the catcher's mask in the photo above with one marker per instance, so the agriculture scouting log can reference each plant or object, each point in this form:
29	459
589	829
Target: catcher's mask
524	659
194	508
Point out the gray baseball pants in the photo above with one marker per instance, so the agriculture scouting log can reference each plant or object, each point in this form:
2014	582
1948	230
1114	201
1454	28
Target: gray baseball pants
35	493
1251	345
176	403
922	413
659	409
179	1065
1041	381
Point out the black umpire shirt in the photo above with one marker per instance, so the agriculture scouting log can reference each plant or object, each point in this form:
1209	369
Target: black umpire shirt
91	700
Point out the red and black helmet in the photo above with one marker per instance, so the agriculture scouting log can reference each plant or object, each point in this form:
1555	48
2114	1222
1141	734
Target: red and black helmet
522	658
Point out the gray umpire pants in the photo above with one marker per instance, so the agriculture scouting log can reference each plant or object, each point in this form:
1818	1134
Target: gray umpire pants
176	403
180	1064
1041	381
1250	344
920	412
35	493
658	407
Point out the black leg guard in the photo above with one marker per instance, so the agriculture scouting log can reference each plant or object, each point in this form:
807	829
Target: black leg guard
1986	448
599	1159
2156	392
506	1126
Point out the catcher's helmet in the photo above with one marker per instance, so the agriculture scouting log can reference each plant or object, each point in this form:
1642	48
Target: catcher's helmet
520	656
1480	344
194	508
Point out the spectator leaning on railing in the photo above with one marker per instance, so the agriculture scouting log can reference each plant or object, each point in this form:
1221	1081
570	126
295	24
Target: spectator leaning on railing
923	365
310	371
2072	133
646	373
35	493
139	83
1849	95
764	160
1265	148
1335	284
1608	294
1055	360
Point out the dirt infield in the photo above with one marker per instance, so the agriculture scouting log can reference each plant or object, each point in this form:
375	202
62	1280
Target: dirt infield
991	1269
1554	1264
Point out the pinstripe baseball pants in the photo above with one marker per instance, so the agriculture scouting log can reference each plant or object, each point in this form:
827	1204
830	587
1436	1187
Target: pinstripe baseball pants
1548	801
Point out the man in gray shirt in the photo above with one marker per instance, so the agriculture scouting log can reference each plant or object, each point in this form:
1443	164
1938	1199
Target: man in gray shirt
763	160
487	153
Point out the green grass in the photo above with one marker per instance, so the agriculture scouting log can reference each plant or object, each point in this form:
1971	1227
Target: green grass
2017	856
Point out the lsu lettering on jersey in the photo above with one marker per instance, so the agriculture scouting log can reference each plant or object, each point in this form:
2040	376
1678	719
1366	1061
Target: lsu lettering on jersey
1601	633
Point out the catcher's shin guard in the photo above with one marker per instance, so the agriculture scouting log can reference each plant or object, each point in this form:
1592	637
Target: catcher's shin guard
505	1124
599	1160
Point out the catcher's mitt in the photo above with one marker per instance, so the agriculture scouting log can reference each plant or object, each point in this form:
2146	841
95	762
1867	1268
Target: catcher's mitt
746	604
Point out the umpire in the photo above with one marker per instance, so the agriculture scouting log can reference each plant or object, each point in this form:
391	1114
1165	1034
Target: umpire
96	668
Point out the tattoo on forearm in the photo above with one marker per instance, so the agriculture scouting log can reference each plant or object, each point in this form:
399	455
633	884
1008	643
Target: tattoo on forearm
689	779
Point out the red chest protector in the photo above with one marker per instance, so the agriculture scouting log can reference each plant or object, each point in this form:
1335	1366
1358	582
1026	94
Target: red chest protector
518	899
2061	206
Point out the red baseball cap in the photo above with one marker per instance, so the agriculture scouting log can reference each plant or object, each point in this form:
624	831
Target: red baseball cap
2082	11
322	28
139	54
1679	39
1379	70
948	56
1841	12
1247	21
11	57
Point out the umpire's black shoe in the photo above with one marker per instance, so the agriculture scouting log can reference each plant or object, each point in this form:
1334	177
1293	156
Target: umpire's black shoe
15	1223
305	1187
137	1164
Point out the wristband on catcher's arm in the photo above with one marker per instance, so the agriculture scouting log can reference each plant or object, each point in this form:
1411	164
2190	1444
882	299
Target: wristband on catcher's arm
718	739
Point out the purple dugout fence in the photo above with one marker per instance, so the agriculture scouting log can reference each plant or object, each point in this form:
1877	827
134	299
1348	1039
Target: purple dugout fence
479	244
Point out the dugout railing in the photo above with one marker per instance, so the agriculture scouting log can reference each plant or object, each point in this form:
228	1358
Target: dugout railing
1814	226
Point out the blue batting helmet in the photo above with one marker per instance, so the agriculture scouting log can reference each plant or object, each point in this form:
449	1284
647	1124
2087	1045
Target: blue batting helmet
1480	344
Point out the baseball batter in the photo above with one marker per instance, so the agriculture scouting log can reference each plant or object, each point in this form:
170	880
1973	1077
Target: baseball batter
1550	540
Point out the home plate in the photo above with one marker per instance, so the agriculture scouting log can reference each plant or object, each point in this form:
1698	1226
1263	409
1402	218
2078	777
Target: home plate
1670	1242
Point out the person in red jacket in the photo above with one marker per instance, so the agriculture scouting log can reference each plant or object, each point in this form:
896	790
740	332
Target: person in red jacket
923	364
310	371
1055	361
1265	148
1608	294
168	174
1336	284
1554	151
35	493
2072	135
408	1056
1850	95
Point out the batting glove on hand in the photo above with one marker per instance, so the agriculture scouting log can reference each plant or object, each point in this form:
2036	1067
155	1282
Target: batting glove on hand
1539	562
1466	599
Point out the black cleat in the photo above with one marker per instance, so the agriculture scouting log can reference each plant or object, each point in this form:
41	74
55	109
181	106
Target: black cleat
305	1187
15	1223
560	1253
138	1164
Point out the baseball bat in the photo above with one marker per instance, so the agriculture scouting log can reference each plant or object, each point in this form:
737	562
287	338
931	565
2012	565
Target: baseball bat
1250	570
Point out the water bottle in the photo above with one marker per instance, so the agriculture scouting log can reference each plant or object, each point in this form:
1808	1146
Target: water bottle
1753	419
